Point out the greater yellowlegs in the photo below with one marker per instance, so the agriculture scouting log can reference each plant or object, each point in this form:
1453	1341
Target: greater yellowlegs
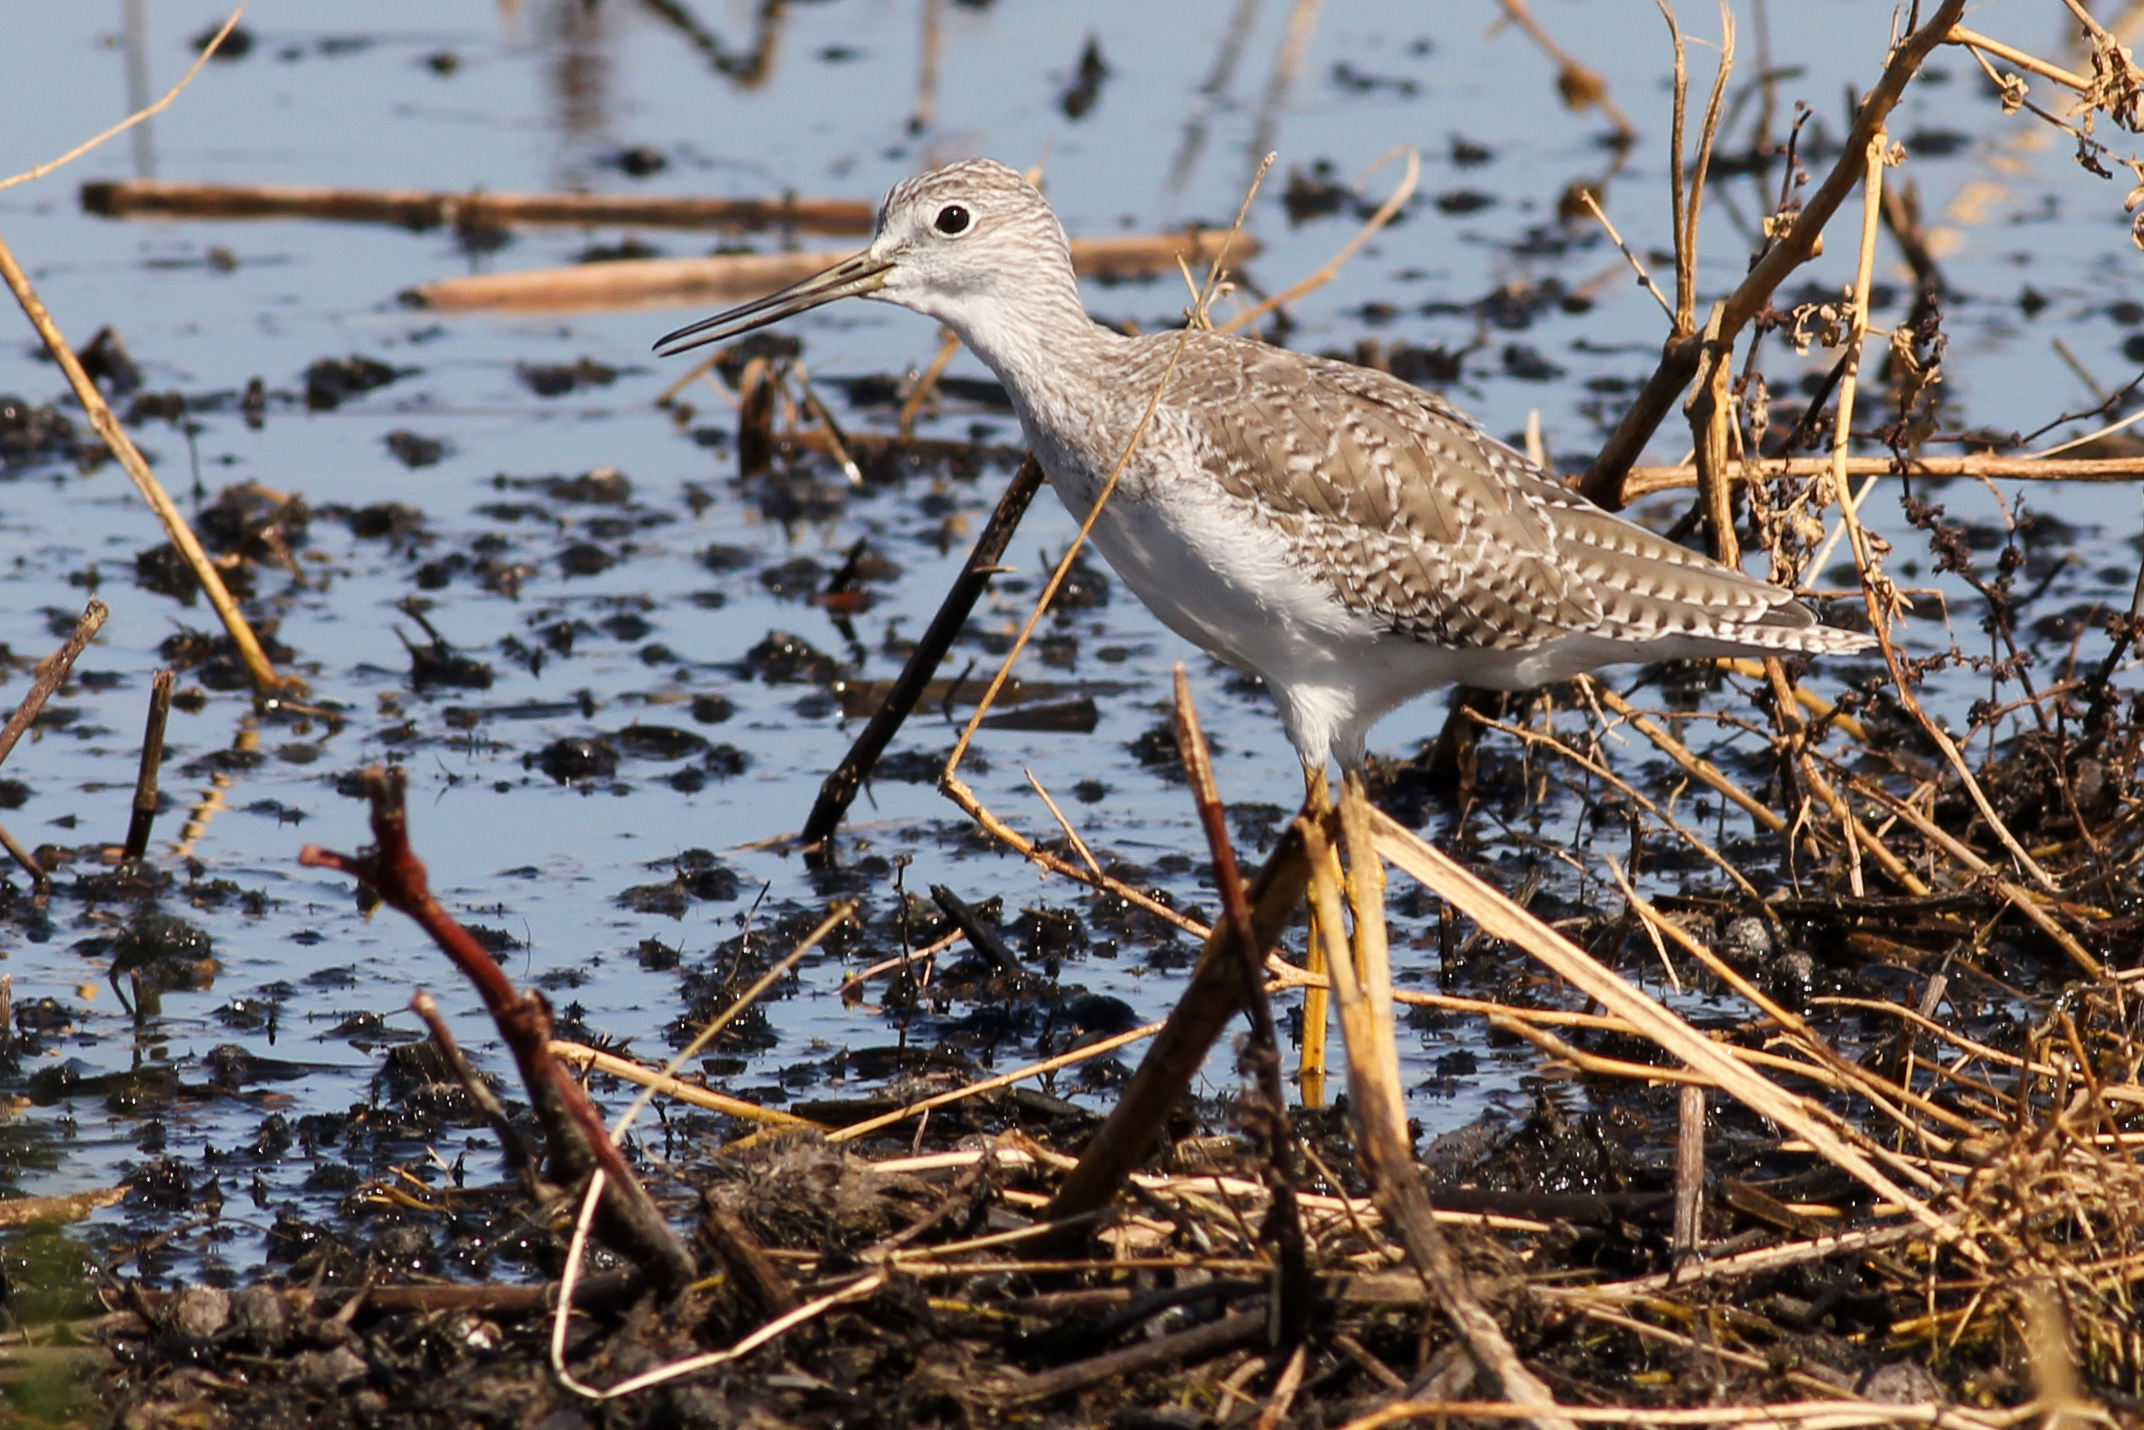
1351	539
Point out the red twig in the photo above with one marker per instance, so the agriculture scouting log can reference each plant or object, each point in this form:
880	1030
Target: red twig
578	1142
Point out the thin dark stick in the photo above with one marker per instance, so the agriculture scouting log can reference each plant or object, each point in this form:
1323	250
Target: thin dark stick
839	789
152	760
986	939
1292	1266
2104	409
51	676
1812	419
2122	631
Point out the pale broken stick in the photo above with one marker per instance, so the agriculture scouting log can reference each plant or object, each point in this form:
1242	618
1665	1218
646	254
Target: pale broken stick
673	282
1644	481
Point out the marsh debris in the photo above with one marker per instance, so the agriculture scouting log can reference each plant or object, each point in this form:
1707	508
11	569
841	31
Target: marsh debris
330	382
558	379
30	433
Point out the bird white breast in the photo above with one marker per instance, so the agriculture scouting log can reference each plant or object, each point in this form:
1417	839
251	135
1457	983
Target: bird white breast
1222	578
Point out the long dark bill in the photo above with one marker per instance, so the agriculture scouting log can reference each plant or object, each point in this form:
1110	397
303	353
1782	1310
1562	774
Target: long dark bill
850	278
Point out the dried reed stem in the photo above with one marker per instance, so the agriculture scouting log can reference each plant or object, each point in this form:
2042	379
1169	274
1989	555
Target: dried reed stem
1208	1002
1499	917
589	1059
1987	466
208	52
265	679
1581	87
1380	1110
1691	763
1401	192
992	1084
52	673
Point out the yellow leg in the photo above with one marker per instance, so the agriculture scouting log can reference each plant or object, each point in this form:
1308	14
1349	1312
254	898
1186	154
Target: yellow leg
1366	901
1317	1002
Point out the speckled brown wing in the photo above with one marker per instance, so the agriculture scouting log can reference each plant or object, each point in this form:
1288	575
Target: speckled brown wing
1419	519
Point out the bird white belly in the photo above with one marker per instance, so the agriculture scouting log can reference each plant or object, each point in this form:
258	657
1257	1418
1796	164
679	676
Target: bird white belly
1228	583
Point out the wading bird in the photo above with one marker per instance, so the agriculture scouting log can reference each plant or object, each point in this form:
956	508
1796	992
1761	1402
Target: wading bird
1349	538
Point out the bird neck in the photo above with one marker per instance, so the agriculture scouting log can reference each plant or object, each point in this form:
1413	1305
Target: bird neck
1034	341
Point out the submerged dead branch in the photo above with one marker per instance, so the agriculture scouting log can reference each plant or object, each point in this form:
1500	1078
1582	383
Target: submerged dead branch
422	209
672	282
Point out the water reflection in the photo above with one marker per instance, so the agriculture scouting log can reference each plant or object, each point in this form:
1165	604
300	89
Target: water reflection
134	41
580	75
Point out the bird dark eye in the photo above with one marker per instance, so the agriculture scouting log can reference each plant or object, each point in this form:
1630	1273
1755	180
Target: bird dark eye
951	220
